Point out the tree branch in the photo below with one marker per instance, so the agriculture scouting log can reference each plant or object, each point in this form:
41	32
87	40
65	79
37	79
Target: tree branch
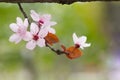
51	1
23	12
21	9
58	52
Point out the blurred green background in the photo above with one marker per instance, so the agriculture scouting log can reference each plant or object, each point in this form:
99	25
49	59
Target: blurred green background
98	21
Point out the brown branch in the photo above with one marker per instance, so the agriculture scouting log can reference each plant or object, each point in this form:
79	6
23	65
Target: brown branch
58	52
21	9
51	1
23	12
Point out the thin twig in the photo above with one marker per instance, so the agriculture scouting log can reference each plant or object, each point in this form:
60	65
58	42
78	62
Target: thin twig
59	52
23	12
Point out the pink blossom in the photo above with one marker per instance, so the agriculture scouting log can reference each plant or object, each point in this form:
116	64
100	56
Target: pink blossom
81	41
20	30
42	20
37	37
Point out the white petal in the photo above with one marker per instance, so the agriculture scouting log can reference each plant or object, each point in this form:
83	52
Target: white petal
82	39
26	22
43	33
46	17
51	30
34	15
34	28
53	23
81	47
14	27
75	38
31	45
19	22
87	45
41	42
28	36
49	23
15	38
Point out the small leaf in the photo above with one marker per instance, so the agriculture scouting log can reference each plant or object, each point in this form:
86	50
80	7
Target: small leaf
63	47
73	52
51	38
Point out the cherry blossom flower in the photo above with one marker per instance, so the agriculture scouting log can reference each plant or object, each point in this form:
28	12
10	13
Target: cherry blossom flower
42	20
36	37
20	29
80	42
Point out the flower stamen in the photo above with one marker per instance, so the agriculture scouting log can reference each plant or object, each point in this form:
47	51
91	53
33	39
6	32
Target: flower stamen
40	23
35	37
77	45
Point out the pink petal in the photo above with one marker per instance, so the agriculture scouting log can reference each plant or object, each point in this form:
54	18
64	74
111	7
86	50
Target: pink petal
28	36
34	28
31	45
75	38
43	33
41	42
49	23
14	27
51	30
46	17
19	21
15	38
34	15
26	22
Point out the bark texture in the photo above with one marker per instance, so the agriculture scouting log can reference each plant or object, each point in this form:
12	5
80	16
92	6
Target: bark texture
51	1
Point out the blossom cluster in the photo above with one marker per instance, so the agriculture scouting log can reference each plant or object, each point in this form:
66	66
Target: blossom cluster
38	30
41	32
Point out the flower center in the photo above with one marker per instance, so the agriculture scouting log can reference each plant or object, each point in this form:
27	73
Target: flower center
40	22
35	37
77	45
